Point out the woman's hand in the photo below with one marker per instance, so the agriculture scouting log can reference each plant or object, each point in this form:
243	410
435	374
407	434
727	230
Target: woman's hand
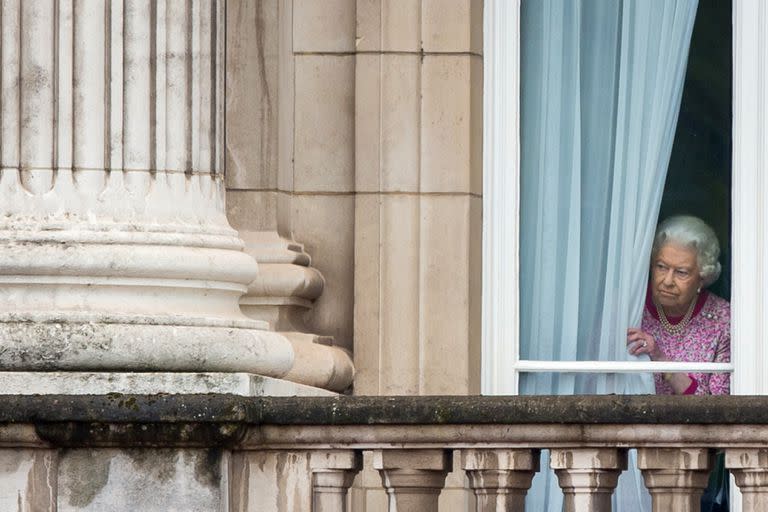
640	342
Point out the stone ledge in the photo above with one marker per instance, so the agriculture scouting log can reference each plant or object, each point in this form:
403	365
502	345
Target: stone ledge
584	409
424	410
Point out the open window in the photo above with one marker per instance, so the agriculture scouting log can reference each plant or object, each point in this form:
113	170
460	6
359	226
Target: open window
745	256
506	359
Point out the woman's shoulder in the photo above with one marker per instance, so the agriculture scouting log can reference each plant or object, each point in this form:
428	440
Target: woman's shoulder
717	308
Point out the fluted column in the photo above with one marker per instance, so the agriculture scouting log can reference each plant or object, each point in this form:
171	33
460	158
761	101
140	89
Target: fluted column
500	478
749	467
588	476
115	251
413	479
675	477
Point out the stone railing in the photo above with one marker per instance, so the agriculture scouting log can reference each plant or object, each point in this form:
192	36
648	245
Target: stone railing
222	452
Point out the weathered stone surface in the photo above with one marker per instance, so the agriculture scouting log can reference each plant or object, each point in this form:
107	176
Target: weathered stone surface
100	343
28	479
253	35
417	294
142	479
254	210
451	136
554	411
271	481
149	383
442	410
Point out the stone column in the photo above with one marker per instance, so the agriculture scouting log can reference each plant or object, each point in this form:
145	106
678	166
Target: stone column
588	476
675	477
332	475
749	467
115	251
500	478
413	479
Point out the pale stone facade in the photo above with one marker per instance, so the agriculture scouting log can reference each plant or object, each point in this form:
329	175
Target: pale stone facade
267	198
341	140
354	138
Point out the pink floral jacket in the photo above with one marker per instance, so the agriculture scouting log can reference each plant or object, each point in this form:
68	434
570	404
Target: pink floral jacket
706	338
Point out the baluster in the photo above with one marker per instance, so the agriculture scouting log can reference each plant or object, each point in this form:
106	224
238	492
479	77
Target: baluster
588	476
750	470
413	478
332	474
500	478
675	477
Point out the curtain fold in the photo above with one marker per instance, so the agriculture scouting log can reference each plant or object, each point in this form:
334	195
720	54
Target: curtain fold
601	84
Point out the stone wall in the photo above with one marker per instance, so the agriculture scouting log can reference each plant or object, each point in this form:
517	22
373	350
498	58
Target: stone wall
418	176
290	139
354	129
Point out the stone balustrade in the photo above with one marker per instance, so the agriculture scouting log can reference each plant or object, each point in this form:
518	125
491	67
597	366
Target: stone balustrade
223	452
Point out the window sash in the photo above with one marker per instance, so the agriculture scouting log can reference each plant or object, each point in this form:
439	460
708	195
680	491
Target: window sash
529	366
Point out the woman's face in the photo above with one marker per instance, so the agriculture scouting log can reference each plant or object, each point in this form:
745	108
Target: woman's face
675	278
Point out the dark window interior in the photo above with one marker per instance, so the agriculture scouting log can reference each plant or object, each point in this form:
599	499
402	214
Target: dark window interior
699	176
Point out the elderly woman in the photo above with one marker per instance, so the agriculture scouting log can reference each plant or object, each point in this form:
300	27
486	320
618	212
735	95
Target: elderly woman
682	321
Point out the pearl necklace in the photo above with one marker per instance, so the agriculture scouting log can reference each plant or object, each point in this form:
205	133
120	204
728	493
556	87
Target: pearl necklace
678	328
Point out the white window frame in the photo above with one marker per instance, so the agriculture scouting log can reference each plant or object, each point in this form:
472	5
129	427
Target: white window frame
501	363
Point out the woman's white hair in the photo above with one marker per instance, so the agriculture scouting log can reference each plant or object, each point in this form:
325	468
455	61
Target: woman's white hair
692	232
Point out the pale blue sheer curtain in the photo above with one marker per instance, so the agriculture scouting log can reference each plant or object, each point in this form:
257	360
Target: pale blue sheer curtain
601	83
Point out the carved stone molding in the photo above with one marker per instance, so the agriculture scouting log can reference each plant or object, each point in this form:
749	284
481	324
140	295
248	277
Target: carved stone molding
282	295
